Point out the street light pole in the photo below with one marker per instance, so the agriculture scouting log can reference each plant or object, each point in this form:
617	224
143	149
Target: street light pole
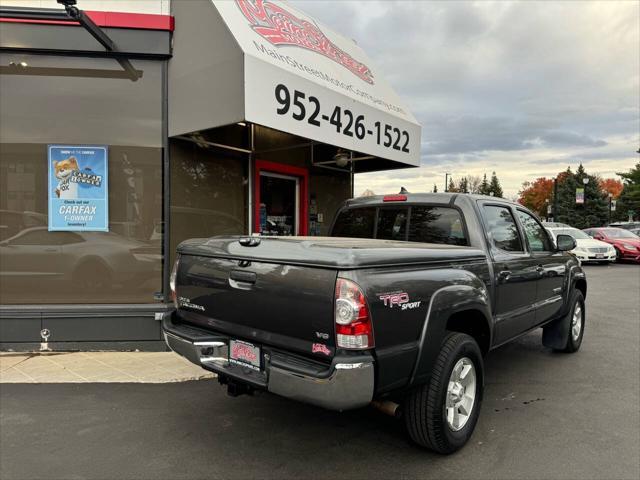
610	198
585	181
555	199
446	181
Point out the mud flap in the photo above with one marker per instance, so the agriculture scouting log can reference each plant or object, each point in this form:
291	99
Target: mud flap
556	334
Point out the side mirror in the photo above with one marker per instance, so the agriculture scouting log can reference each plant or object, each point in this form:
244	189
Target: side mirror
566	243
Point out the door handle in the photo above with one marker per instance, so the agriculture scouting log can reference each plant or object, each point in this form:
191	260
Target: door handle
504	274
243	277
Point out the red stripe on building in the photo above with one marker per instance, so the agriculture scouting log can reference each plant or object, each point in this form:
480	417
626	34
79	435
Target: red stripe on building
143	21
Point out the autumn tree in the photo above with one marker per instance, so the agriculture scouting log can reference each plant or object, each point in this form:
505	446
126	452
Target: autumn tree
612	186
535	195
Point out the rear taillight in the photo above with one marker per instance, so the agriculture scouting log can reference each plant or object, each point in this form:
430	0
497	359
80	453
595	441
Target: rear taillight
172	282
353	322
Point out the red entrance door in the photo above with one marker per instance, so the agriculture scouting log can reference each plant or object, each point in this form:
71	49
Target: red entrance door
280	199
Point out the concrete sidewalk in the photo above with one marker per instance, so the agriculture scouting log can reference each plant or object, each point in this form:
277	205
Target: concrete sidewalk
97	367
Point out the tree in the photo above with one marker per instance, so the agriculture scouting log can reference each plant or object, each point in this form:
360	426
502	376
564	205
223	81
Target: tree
484	186
593	212
451	187
473	183
463	185
629	200
537	195
612	186
435	188
494	186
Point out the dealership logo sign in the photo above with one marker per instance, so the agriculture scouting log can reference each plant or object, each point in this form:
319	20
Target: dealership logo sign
280	27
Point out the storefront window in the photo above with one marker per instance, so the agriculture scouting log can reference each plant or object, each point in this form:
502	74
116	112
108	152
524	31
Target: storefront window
209	189
61	100
329	189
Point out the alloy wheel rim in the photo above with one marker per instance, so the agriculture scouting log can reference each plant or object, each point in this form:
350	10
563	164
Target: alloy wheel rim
576	322
461	394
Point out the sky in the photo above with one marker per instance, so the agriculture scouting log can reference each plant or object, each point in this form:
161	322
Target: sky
524	89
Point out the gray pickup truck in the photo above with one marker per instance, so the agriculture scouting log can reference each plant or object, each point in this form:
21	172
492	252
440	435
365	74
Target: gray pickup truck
396	309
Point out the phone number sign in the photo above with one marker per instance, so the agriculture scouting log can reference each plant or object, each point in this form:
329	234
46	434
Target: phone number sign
295	105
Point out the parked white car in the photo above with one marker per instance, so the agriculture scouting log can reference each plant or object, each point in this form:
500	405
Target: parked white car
588	249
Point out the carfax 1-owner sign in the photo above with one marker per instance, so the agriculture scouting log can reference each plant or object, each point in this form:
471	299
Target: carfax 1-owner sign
78	188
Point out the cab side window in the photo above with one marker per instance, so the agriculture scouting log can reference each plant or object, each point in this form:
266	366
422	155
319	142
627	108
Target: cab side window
502	228
536	235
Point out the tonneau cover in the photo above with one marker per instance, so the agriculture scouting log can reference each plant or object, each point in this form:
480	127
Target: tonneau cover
330	252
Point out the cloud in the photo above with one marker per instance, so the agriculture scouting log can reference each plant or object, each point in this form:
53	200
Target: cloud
505	86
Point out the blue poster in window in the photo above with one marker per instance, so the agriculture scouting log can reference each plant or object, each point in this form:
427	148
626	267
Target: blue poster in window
78	188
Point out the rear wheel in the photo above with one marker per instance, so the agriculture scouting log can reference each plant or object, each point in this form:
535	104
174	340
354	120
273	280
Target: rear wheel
442	414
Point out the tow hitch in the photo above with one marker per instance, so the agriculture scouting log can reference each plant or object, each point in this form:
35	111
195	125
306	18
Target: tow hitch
235	389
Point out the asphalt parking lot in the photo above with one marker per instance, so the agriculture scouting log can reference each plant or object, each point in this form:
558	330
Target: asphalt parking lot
545	415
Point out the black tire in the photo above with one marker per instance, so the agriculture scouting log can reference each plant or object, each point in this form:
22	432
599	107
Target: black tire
425	408
558	335
573	344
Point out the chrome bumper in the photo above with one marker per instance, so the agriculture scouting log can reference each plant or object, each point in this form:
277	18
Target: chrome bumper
348	383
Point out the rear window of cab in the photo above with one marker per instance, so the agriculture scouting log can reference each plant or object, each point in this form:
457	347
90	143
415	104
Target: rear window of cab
415	223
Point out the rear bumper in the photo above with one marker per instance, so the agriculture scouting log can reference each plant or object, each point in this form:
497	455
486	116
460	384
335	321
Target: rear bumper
346	384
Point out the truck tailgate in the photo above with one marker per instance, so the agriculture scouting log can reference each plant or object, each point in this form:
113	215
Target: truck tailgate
279	305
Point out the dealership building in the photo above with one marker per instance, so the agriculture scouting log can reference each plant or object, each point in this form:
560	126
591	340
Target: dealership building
127	127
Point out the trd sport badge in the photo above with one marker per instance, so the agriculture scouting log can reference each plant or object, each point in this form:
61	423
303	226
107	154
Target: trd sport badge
400	299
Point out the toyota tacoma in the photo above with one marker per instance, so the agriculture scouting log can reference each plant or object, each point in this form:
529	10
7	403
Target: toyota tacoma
397	308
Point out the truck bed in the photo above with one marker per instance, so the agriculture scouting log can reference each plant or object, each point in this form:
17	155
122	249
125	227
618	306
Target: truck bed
330	252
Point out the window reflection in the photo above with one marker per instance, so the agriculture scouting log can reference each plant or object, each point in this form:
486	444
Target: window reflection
392	223
121	266
40	108
208	193
436	225
355	223
536	235
502	229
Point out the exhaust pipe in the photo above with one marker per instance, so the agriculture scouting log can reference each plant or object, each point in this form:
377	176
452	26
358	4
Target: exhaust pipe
387	407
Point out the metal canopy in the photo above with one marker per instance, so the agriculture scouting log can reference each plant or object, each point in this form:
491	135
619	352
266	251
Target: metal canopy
269	64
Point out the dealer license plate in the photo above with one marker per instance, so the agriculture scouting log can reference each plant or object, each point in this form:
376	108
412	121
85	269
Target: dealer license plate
244	354
599	255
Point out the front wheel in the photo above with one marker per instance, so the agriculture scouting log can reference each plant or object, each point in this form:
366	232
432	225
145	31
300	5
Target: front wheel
565	334
442	414
576	324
